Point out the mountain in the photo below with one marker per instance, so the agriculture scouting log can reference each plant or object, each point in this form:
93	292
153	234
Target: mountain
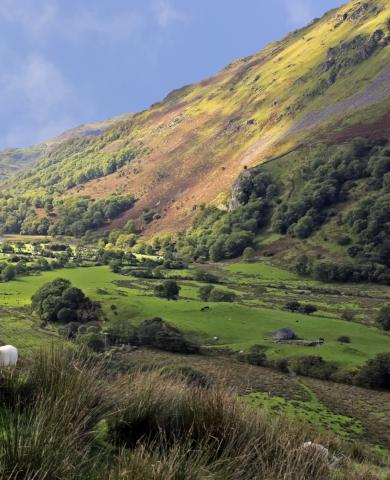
14	160
322	85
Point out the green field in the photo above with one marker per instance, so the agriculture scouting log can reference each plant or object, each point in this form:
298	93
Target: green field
312	411
237	326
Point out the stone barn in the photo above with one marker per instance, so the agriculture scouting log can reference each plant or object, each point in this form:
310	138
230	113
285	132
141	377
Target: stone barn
283	335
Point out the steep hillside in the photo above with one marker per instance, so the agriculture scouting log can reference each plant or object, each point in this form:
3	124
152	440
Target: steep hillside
325	83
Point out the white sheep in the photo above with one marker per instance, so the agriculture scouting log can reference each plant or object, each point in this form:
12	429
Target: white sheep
8	356
322	451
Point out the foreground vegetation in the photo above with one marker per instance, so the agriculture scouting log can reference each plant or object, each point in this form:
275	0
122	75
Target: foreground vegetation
64	416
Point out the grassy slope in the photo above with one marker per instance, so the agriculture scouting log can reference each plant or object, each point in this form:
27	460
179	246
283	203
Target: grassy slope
238	326
192	146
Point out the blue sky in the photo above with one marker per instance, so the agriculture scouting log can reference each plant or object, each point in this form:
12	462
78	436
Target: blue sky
67	62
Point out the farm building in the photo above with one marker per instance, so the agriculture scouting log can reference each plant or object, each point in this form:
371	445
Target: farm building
283	334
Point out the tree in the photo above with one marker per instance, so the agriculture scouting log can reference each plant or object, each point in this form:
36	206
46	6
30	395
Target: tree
66	315
93	341
344	339
249	255
375	373
169	289
203	276
383	317
9	273
256	355
74	296
120	331
204	292
217	295
302	265
159	334
293	306
304	227
58	301
115	266
308	309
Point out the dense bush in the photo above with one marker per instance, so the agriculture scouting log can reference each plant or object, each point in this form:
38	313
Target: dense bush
219	235
208	293
58	301
383	317
327	182
314	366
121	331
305	308
204	276
204	292
256	355
169	289
158	334
344	339
376	373
69	216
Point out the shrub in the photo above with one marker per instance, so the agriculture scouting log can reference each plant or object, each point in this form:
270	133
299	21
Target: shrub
159	334
120	331
217	295
9	273
348	315
94	341
383	317
375	373
204	292
169	289
256	355
249	255
58	301
282	364
315	366
308	309
344	339
293	306
344	240
203	276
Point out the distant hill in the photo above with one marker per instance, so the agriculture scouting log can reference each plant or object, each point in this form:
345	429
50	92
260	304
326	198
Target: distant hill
14	160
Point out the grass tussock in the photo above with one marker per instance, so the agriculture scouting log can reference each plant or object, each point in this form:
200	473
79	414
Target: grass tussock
63	417
215	427
51	412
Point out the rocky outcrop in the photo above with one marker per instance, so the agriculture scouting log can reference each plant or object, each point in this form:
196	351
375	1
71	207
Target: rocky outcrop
239	188
348	54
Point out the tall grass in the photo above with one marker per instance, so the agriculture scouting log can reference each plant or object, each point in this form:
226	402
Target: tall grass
211	428
53	408
62	417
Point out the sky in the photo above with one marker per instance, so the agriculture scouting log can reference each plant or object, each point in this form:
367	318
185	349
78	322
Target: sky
68	62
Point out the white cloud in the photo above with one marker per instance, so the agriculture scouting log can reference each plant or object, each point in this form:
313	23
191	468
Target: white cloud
167	13
299	12
33	16
34	91
36	99
41	17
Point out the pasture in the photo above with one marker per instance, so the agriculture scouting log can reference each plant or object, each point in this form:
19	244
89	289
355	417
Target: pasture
237	325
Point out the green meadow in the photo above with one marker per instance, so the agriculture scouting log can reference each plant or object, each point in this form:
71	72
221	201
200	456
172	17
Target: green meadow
312	412
238	325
